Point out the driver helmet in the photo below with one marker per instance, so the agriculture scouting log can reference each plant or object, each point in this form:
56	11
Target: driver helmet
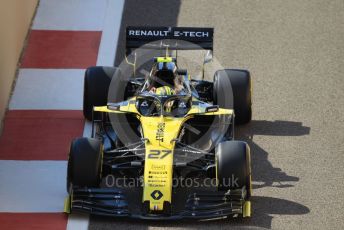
165	90
163	77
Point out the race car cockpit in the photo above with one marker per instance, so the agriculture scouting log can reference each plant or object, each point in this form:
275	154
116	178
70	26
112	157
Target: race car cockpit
164	92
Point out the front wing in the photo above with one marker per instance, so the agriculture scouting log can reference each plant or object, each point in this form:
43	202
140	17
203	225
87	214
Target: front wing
203	205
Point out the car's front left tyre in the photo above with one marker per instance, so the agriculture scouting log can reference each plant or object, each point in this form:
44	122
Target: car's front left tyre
233	167
232	90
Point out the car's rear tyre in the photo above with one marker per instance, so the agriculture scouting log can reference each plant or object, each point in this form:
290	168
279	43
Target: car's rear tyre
84	163
240	83
233	166
96	88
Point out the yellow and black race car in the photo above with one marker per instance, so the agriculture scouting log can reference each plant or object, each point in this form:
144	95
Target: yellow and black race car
162	146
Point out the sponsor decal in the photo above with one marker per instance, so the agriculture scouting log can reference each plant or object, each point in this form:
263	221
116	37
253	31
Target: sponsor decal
160	132
157	167
182	104
170	32
156	195
191	34
149	33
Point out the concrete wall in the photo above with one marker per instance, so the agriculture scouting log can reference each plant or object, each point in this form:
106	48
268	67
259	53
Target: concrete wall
15	19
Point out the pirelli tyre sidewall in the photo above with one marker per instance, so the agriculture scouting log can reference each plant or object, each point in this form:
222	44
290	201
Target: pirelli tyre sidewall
232	89
84	163
233	166
96	88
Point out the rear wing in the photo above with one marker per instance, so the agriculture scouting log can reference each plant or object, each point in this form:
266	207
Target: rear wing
176	38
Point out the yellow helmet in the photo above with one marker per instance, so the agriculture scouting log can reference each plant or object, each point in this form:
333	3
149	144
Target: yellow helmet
163	73
165	90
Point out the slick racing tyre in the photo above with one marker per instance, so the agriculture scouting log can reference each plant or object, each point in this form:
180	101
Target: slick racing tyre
233	169
96	88
84	163
240	83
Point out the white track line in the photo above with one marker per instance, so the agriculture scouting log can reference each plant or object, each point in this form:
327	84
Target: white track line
70	15
39	186
48	89
77	220
112	25
87	129
32	186
106	57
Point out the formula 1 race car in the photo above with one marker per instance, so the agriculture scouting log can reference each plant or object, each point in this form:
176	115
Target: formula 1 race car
172	134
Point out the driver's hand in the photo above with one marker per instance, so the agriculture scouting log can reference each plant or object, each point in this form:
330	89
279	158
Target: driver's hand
152	90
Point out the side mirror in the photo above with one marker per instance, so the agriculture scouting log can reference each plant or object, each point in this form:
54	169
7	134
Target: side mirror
113	106
182	72
133	64
208	57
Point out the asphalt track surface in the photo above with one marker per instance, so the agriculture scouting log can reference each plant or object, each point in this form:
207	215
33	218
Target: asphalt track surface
295	52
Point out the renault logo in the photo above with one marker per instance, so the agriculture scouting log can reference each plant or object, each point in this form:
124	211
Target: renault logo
156	195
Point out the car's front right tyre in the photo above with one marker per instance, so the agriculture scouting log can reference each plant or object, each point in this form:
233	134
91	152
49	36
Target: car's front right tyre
84	163
96	88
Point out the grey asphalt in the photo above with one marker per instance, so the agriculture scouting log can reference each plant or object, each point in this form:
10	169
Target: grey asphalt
295	52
